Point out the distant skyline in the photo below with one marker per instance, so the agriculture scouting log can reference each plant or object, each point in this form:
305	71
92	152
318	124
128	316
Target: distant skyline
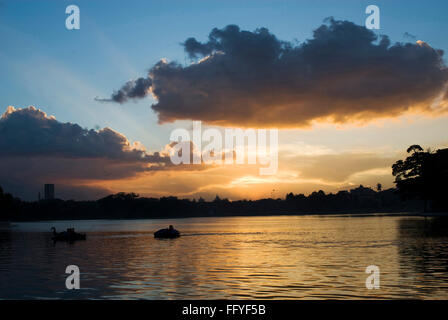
331	136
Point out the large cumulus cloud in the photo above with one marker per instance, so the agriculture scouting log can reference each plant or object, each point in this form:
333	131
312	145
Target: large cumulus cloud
31	132
343	73
36	148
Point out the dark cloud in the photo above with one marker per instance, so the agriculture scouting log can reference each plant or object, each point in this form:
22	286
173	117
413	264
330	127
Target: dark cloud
30	132
409	35
343	73
36	148
132	89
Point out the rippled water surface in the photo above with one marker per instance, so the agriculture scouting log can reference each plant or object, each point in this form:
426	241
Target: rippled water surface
287	257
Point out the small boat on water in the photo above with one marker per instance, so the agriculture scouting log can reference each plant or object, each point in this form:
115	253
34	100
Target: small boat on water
69	235
168	233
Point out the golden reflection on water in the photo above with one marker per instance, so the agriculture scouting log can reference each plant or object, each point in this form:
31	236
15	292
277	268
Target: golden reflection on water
287	257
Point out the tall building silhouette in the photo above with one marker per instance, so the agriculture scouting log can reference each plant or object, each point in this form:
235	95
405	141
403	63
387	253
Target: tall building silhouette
49	191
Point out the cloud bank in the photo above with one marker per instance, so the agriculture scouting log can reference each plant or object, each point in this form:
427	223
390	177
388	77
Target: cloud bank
344	73
30	132
36	148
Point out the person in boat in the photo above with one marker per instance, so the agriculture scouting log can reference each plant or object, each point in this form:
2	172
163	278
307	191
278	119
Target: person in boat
170	232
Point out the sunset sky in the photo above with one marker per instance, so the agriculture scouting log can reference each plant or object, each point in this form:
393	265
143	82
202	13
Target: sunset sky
347	101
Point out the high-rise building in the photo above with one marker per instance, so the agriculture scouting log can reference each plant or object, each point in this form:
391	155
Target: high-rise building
49	191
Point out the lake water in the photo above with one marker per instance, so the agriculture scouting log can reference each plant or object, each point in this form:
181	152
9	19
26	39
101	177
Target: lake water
282	257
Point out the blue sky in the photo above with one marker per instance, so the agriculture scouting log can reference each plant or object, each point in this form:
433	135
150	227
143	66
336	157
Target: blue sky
61	71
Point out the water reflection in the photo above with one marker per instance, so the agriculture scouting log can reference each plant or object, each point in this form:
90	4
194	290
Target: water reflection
424	255
223	258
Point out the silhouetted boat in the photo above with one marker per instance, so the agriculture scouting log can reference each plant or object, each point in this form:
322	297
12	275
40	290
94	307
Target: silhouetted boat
168	233
69	235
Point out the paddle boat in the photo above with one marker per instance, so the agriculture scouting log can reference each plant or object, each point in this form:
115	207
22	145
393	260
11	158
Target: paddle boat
168	233
69	235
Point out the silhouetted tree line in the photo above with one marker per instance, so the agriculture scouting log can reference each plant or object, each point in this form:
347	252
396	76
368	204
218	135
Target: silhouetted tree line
423	175
130	205
9	206
419	179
